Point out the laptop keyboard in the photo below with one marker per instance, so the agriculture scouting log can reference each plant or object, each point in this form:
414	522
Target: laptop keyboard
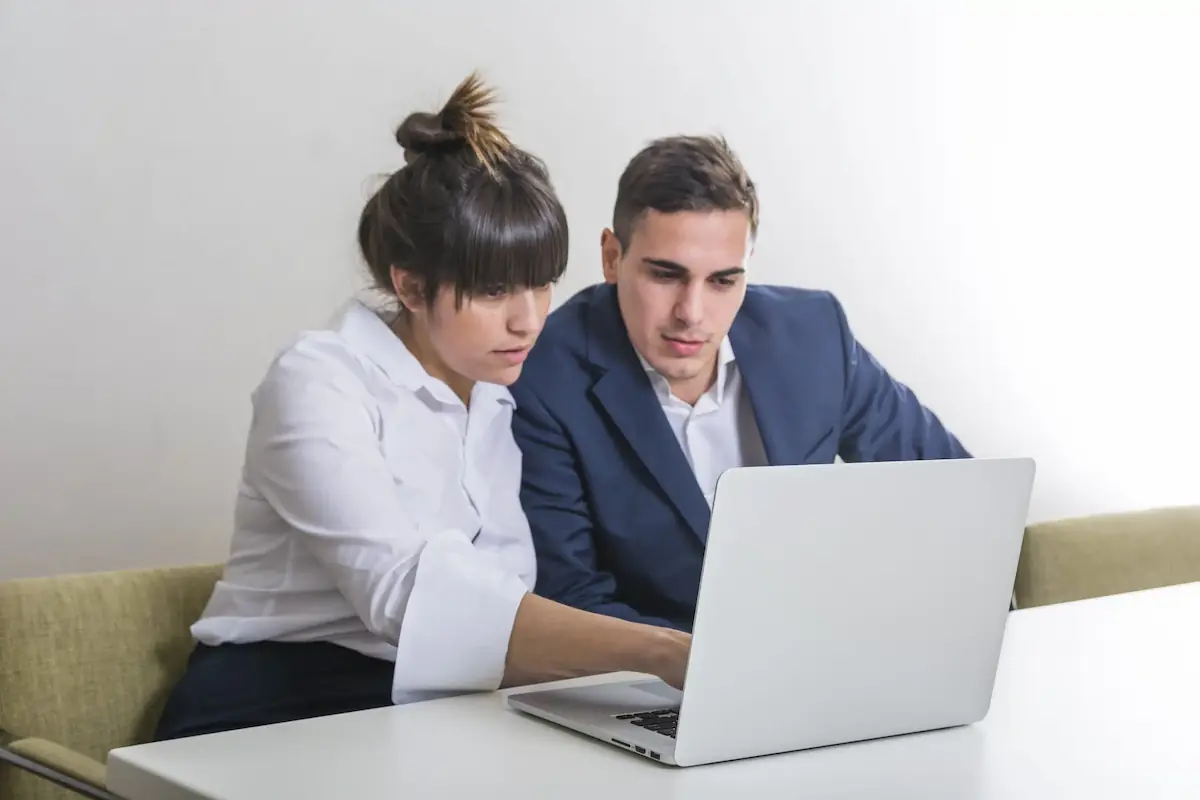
662	721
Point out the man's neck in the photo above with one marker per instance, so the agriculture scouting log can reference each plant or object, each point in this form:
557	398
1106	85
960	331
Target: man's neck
690	390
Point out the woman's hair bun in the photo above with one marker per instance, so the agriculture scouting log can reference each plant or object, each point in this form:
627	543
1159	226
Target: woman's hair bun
424	133
467	120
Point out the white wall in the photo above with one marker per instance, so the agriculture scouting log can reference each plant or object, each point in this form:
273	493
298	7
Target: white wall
1005	198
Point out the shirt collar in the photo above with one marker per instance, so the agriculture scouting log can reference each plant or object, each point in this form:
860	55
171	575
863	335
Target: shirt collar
725	357
366	331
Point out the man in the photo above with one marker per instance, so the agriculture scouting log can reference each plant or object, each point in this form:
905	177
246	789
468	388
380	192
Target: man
643	389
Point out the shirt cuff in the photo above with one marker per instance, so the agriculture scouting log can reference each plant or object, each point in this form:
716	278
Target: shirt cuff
456	628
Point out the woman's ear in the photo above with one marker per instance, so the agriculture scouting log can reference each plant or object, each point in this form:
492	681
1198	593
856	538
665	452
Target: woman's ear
409	289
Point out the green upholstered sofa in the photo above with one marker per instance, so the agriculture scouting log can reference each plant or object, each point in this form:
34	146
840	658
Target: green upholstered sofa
86	662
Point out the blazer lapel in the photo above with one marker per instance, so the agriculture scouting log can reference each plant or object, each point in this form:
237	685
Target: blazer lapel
625	394
774	383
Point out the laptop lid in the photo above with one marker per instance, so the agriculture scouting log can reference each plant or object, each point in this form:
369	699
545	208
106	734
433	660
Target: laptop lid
842	602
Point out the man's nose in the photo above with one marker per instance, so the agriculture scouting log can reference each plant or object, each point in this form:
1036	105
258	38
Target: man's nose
689	306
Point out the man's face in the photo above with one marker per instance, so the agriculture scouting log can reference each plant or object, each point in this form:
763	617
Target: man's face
680	284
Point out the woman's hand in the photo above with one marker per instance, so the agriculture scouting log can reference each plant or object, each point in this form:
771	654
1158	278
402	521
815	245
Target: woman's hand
551	641
668	655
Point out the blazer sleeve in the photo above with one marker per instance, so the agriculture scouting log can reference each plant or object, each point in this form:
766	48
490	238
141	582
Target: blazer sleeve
554	498
882	420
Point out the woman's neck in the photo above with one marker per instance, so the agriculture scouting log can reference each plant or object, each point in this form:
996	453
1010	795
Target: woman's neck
416	339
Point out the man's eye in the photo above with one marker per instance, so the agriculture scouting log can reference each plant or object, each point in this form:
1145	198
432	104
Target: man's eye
495	291
726	281
663	275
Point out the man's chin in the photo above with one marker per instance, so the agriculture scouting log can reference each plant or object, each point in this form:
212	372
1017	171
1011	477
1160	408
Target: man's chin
679	368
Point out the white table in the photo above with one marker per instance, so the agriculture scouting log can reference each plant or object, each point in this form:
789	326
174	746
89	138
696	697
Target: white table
1098	699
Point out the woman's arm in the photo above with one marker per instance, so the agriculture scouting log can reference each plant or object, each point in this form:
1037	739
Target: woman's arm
459	620
551	641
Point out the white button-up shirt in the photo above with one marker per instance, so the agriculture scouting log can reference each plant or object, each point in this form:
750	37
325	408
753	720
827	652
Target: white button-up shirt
719	432
377	512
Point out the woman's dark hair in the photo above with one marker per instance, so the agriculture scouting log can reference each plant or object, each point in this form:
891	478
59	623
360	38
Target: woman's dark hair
469	209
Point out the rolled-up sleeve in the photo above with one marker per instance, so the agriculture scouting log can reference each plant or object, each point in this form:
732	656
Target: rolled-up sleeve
314	454
459	620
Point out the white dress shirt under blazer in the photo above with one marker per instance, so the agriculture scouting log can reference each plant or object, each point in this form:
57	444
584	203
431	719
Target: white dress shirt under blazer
377	512
719	432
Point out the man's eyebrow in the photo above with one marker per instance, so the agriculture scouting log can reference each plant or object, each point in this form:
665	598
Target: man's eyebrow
674	266
666	264
728	272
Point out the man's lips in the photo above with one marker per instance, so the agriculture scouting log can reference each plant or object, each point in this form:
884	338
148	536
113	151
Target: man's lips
682	346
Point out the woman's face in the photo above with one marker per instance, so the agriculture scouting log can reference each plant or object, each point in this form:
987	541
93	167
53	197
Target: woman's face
485	338
489	336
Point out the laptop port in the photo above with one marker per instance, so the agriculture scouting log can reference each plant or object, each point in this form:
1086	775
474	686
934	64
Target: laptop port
623	744
641	750
655	756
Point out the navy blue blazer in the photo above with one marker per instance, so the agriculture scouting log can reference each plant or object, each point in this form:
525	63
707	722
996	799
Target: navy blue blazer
618	519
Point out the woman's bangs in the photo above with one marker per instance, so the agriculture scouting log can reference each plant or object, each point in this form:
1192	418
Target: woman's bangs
519	242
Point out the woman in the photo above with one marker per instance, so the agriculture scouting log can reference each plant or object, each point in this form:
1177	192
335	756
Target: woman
380	553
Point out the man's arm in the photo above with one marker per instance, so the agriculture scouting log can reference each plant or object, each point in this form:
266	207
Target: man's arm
552	493
882	420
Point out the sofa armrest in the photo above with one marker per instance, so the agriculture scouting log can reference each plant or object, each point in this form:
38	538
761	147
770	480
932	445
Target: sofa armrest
1074	559
56	763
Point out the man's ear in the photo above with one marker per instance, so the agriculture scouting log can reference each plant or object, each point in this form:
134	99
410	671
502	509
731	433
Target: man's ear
610	254
410	290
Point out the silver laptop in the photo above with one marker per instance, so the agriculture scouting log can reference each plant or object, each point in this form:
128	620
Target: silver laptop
838	603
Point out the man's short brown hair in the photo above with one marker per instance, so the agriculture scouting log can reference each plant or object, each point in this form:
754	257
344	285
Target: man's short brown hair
683	173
